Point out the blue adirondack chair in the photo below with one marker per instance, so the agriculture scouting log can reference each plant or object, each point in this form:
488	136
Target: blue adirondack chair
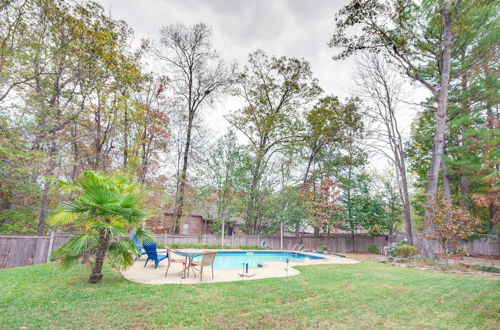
139	247
153	254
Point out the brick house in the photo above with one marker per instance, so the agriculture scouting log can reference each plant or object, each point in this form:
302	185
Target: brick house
193	224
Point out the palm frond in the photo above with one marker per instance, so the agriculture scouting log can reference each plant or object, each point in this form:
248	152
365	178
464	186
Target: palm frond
61	217
68	262
114	229
144	235
100	198
122	253
77	245
66	186
129	201
75	207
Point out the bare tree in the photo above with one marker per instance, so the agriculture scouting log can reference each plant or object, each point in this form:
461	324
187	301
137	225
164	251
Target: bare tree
198	74
382	88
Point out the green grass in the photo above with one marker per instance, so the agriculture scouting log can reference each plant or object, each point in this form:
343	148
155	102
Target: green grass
366	295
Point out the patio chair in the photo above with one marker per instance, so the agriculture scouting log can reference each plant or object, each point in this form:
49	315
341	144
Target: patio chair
207	260
138	246
153	254
172	260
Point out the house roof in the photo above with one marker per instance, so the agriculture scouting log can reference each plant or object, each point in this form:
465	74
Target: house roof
191	214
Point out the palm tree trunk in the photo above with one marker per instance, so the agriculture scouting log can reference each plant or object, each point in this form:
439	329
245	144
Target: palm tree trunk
96	274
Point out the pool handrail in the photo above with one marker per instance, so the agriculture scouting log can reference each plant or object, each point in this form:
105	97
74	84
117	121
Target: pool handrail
299	247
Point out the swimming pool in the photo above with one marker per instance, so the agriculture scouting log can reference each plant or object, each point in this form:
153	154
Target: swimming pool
235	259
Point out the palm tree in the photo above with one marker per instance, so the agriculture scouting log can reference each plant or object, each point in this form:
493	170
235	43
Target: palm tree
106	209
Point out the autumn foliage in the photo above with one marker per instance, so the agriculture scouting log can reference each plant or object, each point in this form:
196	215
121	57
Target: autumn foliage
323	204
450	225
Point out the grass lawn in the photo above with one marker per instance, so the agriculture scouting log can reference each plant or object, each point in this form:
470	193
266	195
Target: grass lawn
366	295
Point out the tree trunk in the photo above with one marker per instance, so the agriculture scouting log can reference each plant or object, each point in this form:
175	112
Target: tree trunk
403	190
96	274
125	137
179	203
76	152
86	257
45	192
446	181
464	184
464	191
43	208
438	143
253	201
308	168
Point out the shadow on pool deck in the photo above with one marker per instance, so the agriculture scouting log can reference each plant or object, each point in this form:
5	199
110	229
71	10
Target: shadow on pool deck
150	275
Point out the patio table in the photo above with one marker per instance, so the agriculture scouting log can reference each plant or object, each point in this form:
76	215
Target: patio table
189	255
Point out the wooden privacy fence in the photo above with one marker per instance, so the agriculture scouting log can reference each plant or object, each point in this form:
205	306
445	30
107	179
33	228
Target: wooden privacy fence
337	242
486	245
24	250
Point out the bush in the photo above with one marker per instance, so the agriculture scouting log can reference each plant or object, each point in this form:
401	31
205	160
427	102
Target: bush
323	247
373	249
403	242
490	269
405	251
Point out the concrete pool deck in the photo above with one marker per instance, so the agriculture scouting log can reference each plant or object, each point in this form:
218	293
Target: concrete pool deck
149	275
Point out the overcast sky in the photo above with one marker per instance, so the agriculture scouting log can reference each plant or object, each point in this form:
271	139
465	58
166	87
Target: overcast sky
294	28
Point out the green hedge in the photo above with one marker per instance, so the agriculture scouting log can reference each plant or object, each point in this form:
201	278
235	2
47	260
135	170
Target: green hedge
405	251
373	249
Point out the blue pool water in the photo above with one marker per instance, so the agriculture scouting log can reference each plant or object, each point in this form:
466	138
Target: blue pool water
235	259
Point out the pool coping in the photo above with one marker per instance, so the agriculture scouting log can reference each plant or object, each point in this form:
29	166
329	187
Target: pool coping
271	269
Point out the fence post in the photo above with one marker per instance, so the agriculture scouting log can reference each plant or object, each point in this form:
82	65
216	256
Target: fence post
51	244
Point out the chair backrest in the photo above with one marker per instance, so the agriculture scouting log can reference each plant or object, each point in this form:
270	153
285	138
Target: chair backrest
170	254
134	239
208	258
151	251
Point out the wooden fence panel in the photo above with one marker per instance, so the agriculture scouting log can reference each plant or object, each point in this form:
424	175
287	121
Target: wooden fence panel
23	250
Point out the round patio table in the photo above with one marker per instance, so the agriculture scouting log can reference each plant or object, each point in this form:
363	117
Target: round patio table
189	255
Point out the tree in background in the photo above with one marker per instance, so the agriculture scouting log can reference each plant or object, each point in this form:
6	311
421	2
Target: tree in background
361	208
225	179
452	225
325	207
388	194
418	37
198	74
471	113
149	127
382	88
19	27
274	89
330	124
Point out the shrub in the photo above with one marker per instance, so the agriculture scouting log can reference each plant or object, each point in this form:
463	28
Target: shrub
490	269
373	249
323	247
403	242
451	225
405	251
